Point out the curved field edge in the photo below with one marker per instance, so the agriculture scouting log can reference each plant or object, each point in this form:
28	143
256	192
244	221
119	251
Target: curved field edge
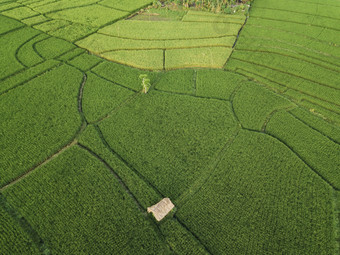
275	193
312	107
41	126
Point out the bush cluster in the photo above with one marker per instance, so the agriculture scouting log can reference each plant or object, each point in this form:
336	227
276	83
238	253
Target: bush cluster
218	6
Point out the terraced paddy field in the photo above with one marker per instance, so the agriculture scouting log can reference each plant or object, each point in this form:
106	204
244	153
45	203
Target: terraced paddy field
240	128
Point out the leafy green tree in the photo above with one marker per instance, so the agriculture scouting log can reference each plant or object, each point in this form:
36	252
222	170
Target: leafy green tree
145	82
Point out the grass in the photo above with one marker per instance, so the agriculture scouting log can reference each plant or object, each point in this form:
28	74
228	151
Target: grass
8	24
302	17
73	32
52	7
100	43
316	122
180	240
35	20
297	68
300	61
140	42
52	25
198	16
301	7
160	14
240	128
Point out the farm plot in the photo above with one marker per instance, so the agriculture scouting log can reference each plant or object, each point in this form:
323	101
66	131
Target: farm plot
166	140
14	239
267	198
39	123
70	202
246	146
294	52
70	20
195	41
321	153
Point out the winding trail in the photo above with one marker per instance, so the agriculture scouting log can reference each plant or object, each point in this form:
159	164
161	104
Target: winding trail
31	170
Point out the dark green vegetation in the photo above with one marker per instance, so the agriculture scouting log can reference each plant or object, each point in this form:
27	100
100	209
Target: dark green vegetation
296	200
249	153
15	240
293	51
171	154
112	215
50	120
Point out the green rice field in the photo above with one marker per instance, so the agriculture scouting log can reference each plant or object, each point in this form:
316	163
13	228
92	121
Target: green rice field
240	127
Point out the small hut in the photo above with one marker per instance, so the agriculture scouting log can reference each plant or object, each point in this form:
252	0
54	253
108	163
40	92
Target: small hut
161	209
